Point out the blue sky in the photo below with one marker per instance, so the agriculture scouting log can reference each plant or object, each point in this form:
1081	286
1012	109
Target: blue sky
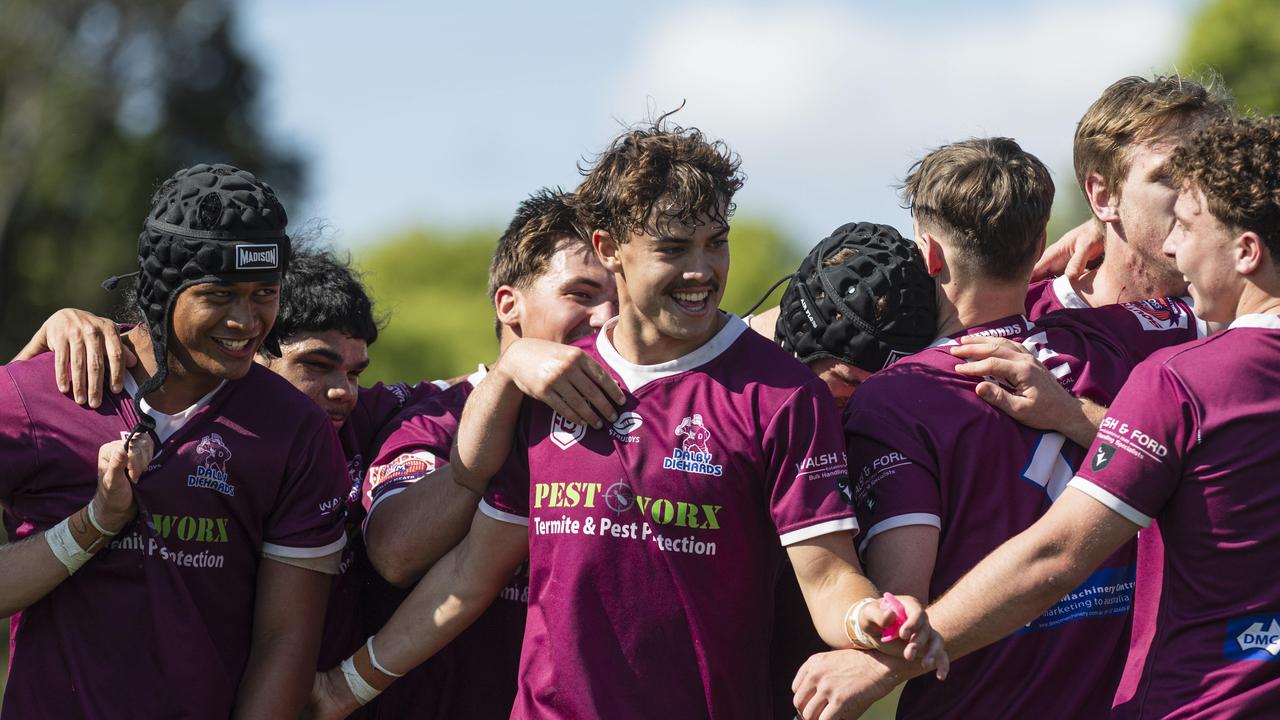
448	114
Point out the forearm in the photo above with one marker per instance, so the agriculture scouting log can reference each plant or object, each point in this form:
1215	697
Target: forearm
288	615
830	601
407	533
1080	427
31	569
486	429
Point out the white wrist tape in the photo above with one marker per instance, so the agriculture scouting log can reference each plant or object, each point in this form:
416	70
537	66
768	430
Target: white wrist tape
852	622
363	691
65	548
373	660
96	525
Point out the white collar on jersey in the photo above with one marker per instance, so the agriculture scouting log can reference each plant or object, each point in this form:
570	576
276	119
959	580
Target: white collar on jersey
166	424
637	376
1067	294
1256	320
475	377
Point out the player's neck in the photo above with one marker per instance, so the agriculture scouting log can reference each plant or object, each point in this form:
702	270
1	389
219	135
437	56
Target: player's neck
181	389
639	341
1124	276
1259	300
966	304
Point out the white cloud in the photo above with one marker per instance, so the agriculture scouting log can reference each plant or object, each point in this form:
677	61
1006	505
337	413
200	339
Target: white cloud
829	106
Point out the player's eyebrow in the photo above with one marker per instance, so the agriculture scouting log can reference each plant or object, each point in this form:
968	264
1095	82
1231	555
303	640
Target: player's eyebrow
582	280
327	354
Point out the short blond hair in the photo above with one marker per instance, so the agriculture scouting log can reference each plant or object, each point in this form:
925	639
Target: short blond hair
988	196
1137	110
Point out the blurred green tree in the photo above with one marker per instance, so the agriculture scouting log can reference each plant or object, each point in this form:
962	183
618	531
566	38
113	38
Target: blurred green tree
432	287
1240	40
99	101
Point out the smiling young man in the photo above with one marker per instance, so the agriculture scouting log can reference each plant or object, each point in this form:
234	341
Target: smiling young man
653	533
1121	145
1185	454
209	602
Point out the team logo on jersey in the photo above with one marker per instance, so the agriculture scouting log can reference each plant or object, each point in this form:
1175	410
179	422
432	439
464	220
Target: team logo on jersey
1157	314
355	474
1253	637
566	433
212	473
1102	457
694	454
627	423
409	467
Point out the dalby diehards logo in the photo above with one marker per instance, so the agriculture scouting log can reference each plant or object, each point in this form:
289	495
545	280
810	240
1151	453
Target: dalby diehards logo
565	433
694	454
212	473
1253	637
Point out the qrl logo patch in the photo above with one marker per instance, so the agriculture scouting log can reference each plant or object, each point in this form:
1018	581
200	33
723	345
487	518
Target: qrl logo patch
1253	637
1156	314
257	257
1102	457
565	433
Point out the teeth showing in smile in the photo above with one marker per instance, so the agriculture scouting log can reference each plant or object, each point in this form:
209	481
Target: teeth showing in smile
232	344
691	297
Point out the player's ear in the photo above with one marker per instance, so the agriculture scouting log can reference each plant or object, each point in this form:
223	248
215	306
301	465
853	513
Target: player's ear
931	249
606	248
507	303
1250	253
1104	202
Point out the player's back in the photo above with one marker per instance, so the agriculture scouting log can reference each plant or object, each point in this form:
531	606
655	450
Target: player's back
926	450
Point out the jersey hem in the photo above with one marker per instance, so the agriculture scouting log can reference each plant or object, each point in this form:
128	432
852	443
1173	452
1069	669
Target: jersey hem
502	516
1109	499
823	528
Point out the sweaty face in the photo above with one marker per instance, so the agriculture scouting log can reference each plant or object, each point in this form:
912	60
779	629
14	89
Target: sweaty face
671	284
1146	212
572	299
218	327
1202	247
842	379
325	366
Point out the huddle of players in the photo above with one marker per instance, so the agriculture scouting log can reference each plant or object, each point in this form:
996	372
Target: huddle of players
634	489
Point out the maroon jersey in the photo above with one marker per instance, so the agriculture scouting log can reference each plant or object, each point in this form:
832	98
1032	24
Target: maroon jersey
475	675
1188	452
1048	296
376	407
924	449
654	542
159	622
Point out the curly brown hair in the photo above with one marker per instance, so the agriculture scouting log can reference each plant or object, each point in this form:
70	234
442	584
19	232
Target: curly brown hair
1137	110
1235	162
988	196
657	174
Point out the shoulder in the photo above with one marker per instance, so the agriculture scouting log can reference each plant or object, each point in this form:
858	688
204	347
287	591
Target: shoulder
431	423
264	399
918	386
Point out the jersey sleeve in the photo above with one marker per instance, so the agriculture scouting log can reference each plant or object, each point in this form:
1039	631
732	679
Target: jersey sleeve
507	497
807	470
895	480
414	450
17	439
1150	325
1135	463
308	518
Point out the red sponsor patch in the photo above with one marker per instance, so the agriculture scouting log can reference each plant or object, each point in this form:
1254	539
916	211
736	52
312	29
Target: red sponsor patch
408	466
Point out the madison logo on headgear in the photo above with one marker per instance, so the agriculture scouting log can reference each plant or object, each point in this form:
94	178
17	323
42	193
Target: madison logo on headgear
565	433
694	453
212	473
257	257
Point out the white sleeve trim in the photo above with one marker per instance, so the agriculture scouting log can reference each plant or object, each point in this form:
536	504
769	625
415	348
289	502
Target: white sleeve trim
390	493
898	521
330	564
501	516
1105	497
285	551
823	528
442	384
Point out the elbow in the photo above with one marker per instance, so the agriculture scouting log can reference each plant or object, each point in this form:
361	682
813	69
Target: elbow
391	562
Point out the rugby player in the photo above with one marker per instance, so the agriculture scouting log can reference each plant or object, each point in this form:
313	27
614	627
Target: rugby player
941	477
658	604
1121	145
1185	454
545	284
207	592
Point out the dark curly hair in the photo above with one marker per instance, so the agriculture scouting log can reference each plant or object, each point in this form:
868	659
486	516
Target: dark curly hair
656	174
321	293
1235	162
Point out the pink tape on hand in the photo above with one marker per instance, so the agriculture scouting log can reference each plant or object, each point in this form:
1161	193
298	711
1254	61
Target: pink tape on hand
895	606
